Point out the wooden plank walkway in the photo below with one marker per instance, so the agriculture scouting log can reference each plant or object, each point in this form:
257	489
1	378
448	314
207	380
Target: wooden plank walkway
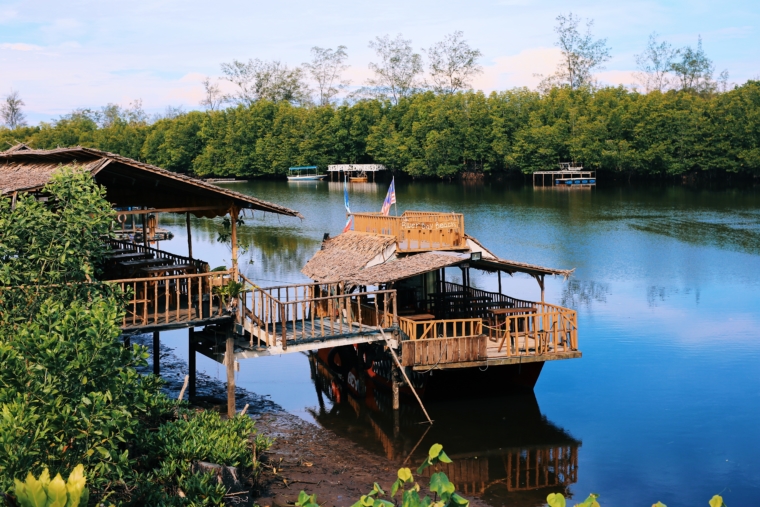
170	317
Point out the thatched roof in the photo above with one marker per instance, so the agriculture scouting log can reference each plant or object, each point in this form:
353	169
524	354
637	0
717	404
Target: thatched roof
347	253
404	267
361	258
127	181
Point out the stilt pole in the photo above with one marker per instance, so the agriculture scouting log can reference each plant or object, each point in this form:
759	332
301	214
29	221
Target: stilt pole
191	361
156	353
499	281
189	236
229	362
394	382
233	236
144	218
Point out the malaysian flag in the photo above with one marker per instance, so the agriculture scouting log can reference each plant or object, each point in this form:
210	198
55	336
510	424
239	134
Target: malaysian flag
390	198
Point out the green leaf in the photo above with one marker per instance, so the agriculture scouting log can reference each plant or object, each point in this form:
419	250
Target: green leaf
434	451
405	474
56	492
716	501
555	500
444	458
395	487
440	484
35	492
459	500
659	504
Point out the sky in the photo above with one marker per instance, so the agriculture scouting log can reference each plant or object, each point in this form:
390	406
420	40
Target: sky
61	56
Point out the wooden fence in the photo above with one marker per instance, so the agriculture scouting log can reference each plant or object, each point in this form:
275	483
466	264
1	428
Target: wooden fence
171	300
416	231
311	312
436	351
547	330
442	328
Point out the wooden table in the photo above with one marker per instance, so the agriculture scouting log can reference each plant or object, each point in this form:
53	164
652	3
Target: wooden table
129	256
168	270
118	251
418	319
132	267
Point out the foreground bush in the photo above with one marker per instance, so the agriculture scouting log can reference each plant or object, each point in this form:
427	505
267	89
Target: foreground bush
70	394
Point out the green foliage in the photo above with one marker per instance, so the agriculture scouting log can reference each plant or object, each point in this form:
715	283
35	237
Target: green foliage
44	492
70	394
558	500
440	136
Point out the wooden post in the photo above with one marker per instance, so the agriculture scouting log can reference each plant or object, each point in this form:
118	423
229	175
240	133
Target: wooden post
144	218
156	353
189	236
233	236
191	361
229	362
540	279
394	383
499	281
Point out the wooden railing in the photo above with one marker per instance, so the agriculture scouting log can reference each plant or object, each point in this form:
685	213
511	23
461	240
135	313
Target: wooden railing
443	328
172	300
200	266
416	231
278	316
548	330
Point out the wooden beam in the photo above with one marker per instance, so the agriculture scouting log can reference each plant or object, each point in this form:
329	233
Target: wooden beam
189	236
170	210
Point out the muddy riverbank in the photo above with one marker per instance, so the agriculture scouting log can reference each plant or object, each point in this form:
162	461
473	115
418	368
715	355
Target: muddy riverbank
304	456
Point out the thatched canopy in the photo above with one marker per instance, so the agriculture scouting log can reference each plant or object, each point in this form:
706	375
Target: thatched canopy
362	258
348	253
127	182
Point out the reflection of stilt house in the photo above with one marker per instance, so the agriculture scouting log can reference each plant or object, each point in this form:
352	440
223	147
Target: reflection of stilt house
503	449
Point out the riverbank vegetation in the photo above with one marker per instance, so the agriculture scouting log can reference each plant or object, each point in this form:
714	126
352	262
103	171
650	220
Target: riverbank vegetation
427	135
69	391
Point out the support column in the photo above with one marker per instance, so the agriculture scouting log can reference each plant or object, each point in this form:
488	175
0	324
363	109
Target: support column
156	353
189	236
233	236
395	385
499	281
541	284
144	218
229	362
191	362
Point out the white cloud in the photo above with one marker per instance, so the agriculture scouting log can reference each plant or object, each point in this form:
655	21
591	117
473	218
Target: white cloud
20	46
518	70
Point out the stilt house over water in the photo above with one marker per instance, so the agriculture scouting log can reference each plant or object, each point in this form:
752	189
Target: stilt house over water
446	325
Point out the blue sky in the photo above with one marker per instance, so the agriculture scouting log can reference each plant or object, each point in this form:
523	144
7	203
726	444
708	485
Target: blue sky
66	55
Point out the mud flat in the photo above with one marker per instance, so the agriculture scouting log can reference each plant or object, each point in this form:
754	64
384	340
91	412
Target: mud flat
303	457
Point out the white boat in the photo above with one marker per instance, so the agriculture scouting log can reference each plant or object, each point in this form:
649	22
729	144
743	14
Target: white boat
304	173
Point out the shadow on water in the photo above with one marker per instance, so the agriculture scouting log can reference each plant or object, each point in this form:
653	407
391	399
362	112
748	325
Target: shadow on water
504	450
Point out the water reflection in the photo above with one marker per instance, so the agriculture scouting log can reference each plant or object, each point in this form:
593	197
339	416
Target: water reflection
581	293
503	449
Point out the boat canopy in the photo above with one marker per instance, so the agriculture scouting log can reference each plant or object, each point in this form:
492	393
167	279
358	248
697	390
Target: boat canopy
303	168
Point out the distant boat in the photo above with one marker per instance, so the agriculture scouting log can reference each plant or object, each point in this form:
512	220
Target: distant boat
305	173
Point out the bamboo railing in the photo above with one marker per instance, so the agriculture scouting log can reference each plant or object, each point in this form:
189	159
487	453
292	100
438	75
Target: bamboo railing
287	314
416	231
440	328
174	299
548	330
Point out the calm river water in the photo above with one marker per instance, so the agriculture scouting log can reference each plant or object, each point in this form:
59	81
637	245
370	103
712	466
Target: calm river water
665	403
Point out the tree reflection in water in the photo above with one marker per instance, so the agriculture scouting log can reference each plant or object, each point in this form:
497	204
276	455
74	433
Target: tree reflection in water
504	450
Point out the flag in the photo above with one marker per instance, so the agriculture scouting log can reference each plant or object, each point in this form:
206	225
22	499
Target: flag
390	198
349	223
345	197
349	218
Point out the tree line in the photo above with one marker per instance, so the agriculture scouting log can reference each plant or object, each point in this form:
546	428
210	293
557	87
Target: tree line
679	120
